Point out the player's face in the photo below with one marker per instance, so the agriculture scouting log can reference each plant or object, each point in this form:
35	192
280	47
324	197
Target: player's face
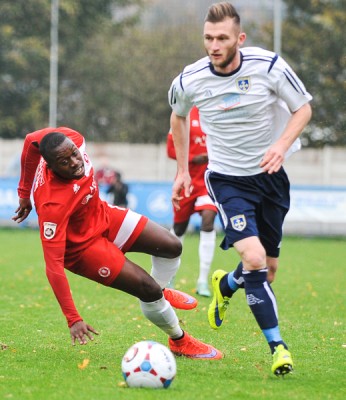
222	41
66	161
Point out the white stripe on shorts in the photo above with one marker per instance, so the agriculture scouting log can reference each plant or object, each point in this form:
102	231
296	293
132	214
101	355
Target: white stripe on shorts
219	206
203	201
127	227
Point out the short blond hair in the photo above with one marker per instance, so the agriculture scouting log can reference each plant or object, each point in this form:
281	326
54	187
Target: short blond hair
217	12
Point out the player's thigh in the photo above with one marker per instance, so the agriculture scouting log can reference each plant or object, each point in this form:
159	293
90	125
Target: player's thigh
157	241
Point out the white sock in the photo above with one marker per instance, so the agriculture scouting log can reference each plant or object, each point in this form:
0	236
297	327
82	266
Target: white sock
161	314
164	269
207	241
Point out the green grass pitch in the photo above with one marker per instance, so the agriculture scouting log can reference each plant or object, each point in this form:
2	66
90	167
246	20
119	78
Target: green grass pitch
38	362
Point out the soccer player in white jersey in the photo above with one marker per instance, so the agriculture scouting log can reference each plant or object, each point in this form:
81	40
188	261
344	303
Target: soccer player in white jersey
253	108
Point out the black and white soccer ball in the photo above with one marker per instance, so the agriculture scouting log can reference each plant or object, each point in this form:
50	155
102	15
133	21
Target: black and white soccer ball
148	364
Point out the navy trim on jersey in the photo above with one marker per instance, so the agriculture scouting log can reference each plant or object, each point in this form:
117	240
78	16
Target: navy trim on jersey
273	62
181	82
293	82
212	70
173	99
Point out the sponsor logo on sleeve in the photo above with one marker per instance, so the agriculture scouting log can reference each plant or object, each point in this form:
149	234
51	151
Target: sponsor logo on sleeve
49	230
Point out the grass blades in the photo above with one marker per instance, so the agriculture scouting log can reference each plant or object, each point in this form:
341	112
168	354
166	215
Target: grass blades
38	362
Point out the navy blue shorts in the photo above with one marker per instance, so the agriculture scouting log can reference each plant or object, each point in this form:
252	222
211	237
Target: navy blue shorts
253	205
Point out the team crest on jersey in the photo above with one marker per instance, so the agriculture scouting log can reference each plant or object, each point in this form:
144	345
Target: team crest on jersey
49	229
238	222
243	84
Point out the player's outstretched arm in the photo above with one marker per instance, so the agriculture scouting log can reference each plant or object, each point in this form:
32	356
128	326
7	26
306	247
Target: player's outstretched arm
80	331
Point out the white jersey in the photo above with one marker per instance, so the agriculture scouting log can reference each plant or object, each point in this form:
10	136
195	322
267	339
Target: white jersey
243	112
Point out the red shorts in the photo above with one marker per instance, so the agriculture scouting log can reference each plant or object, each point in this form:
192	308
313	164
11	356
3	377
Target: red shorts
198	201
103	260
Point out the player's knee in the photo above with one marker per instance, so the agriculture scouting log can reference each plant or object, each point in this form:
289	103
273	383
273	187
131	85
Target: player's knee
208	218
176	247
150	290
179	230
254	260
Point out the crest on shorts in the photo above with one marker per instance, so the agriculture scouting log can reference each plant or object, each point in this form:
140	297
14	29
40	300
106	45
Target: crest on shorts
238	222
243	84
104	272
49	229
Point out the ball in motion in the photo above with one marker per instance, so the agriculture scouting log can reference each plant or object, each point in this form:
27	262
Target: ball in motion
148	364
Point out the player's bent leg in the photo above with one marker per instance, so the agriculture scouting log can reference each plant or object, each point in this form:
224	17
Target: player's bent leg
135	281
165	249
157	241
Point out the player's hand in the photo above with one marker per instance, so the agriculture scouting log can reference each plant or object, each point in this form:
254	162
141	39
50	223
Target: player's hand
80	331
23	210
182	185
273	159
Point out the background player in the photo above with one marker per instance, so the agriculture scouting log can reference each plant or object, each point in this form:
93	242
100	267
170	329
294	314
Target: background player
199	200
252	108
87	236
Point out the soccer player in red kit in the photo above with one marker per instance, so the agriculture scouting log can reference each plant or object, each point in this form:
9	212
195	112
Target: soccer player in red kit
89	237
198	202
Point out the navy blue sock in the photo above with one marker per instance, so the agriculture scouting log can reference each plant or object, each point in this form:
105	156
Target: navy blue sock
262	303
231	282
237	278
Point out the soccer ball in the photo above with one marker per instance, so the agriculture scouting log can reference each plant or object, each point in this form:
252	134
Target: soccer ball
148	364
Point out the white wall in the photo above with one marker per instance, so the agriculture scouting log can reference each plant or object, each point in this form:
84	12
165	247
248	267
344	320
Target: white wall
149	162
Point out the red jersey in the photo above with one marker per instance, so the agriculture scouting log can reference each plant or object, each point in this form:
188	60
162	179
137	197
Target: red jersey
70	212
199	199
197	147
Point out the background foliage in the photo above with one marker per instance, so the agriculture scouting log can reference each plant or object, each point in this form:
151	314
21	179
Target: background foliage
115	70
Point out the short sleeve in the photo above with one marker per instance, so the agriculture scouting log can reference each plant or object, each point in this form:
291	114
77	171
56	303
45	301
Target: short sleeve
288	86
177	98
